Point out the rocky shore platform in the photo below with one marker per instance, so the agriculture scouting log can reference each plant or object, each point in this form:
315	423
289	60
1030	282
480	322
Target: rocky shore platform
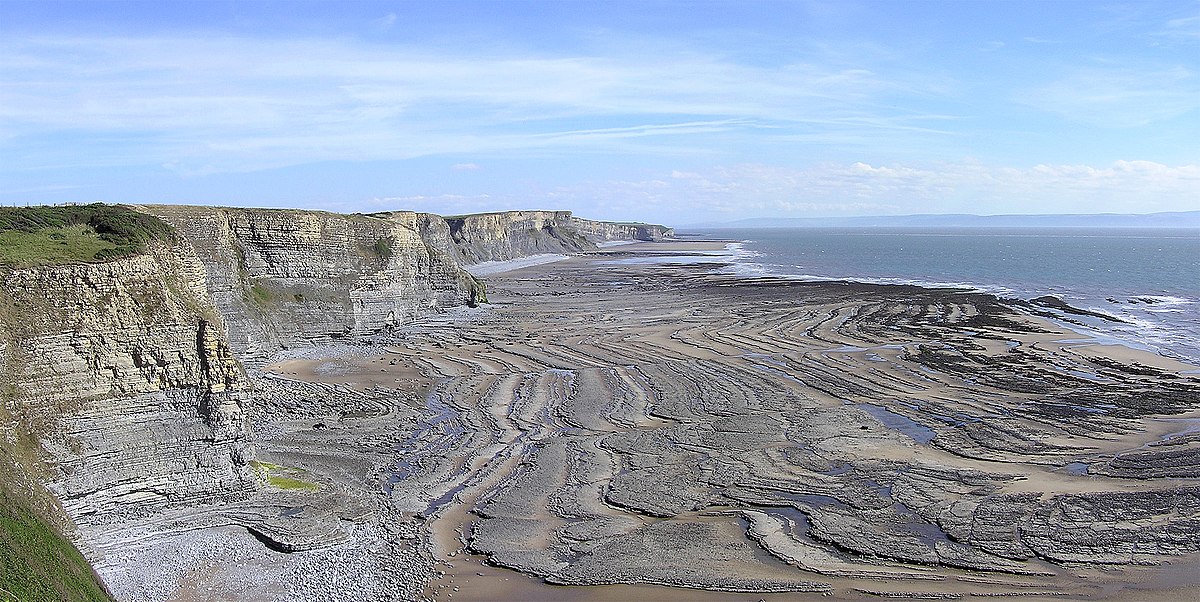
616	430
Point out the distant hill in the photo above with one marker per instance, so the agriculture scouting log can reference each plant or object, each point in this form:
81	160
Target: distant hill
1173	219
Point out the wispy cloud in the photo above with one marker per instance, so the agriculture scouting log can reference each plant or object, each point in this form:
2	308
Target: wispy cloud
386	21
203	104
1119	97
1187	28
864	189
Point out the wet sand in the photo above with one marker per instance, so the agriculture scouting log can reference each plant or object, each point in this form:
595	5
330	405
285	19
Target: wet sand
612	429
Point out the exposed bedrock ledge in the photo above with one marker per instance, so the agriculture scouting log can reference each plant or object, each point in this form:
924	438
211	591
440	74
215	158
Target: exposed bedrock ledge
605	231
286	277
120	377
511	234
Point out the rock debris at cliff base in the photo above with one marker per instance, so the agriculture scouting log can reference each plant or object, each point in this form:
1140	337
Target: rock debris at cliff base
640	426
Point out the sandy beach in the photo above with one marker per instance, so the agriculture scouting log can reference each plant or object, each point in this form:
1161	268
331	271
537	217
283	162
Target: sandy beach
613	430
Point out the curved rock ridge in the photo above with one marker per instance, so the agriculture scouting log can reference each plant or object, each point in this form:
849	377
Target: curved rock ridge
120	374
283	277
124	391
709	432
637	426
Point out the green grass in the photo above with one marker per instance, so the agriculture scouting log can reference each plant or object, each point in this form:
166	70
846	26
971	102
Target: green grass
33	236
37	564
52	246
261	294
283	477
282	482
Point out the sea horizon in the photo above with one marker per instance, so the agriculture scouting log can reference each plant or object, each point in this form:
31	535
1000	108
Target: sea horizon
1137	275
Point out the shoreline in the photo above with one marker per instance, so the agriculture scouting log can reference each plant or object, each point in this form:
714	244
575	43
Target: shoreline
1099	311
602	423
1161	362
1068	316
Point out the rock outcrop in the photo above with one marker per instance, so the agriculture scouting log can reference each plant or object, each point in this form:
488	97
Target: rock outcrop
282	278
124	376
510	234
122	386
119	376
606	231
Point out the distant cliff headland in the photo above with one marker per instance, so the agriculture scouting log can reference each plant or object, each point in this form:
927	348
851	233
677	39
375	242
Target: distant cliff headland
126	332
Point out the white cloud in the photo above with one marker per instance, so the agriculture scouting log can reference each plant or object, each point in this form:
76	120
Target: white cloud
1185	29
214	104
731	192
1119	97
464	167
386	21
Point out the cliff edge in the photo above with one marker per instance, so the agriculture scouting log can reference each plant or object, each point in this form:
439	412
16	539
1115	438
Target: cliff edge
508	235
282	277
125	333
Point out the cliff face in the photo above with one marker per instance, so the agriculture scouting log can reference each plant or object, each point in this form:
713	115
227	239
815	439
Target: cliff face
284	277
122	392
510	234
123	376
605	231
120	383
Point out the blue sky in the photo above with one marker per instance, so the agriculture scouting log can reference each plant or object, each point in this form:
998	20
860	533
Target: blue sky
672	112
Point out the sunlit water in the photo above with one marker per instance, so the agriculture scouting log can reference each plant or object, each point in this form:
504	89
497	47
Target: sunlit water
1150	278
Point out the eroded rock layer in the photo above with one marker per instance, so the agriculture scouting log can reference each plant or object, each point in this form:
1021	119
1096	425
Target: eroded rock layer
703	431
282	278
605	231
510	234
600	423
119	373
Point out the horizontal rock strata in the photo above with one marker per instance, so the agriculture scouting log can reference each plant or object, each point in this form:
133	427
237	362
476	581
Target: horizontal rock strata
281	278
121	373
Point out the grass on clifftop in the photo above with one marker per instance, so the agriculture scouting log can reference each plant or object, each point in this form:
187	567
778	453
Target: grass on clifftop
37	564
35	236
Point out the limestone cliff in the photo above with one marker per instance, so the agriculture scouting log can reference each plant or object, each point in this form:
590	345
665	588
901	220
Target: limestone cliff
286	277
119	380
511	234
122	388
606	231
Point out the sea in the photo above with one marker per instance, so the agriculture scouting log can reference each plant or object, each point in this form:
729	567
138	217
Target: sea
1148	278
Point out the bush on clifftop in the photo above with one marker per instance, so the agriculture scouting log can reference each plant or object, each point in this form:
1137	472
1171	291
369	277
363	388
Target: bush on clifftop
32	236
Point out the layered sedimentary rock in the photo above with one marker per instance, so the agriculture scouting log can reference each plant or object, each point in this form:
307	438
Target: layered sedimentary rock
285	277
701	430
510	234
605	231
124	389
119	376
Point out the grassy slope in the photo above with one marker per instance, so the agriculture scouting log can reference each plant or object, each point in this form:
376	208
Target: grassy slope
51	246
36	562
33	236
